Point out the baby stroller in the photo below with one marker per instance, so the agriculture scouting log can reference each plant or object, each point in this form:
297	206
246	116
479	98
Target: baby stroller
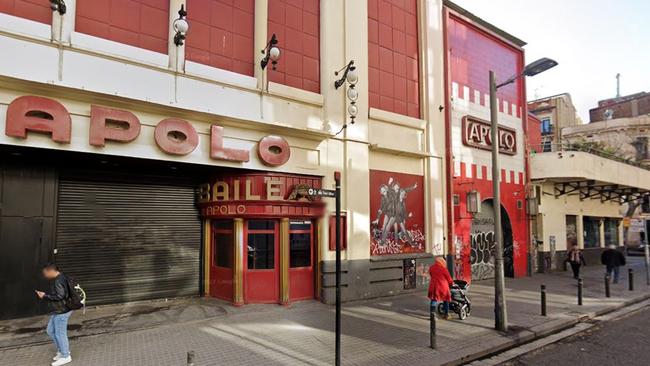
459	304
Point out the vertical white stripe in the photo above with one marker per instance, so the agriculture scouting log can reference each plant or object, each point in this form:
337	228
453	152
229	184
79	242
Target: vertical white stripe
487	100
489	173
507	172
505	107
468	170
477	97
479	171
456	168
466	93
454	90
514	110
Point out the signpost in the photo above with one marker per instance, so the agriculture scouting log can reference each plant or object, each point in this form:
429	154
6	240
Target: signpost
318	192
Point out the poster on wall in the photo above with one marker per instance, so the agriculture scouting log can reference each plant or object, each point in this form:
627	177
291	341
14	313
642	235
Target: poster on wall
397	213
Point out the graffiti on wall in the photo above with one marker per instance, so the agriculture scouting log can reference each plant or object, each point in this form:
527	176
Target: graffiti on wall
482	255
397	203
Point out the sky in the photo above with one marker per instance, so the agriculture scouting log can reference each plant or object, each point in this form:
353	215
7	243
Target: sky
592	40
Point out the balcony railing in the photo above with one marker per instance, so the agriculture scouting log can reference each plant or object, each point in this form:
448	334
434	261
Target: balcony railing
594	148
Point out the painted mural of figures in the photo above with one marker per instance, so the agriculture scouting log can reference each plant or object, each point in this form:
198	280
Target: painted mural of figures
397	225
394	211
386	209
401	213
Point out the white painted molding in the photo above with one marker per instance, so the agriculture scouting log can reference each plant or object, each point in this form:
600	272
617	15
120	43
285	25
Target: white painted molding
397	119
296	94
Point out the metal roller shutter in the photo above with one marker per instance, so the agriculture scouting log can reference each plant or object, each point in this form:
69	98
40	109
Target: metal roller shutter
128	240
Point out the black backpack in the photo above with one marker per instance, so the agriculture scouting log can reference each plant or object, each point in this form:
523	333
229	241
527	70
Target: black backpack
76	295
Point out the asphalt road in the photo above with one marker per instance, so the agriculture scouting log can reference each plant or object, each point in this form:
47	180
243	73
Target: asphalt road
623	341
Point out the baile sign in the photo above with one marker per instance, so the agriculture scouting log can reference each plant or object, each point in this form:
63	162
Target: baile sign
478	133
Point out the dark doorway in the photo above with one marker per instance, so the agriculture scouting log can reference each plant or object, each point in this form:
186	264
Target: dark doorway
483	243
27	197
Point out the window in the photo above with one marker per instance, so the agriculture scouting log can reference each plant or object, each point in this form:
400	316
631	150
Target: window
591	227
261	244
223	243
547	126
221	34
297	26
300	244
139	23
393	56
611	231
29	9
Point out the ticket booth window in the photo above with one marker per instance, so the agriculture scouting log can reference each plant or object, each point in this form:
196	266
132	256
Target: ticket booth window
300	242
261	251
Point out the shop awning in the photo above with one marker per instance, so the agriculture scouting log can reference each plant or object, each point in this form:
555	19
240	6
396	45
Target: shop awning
590	176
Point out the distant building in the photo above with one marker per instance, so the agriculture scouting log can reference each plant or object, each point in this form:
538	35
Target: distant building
619	129
555	113
628	106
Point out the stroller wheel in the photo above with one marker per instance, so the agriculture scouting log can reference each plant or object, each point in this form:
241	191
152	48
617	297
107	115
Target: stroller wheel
463	313
441	308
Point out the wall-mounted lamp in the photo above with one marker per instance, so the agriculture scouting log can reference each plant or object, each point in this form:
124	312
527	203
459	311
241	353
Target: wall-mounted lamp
181	26
531	206
272	53
473	202
58	5
350	75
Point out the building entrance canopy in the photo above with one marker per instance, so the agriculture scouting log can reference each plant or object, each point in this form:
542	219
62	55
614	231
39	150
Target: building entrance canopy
590	176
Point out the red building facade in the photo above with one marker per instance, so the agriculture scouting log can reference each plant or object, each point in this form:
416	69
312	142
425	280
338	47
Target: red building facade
473	48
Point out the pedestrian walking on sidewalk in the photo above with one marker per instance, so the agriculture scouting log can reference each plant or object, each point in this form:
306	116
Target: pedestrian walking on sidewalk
57	326
576	259
439	286
612	259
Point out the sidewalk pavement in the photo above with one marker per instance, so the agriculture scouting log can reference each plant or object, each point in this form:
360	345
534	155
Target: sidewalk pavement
386	331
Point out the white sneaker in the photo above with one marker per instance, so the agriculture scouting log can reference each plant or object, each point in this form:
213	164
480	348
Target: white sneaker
62	361
57	357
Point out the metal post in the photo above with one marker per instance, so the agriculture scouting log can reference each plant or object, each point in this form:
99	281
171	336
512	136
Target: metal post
647	263
500	312
432	325
580	291
337	180
608	292
543	294
630	277
190	358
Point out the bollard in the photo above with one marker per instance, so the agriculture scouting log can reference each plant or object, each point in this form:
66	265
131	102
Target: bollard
630	277
432	325
190	358
608	293
580	291
543	294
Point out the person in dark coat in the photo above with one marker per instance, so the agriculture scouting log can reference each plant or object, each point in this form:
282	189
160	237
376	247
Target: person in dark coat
612	259
439	286
576	260
57	326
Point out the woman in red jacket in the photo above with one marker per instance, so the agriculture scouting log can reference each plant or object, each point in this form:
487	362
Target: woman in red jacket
439	286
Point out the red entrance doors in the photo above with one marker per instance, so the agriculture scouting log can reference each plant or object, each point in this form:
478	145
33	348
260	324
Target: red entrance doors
261	263
221	267
261	260
301	260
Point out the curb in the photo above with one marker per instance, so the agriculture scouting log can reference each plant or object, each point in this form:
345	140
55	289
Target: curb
528	335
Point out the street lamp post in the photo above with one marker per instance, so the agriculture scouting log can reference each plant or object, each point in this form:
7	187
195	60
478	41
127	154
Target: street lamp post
500	312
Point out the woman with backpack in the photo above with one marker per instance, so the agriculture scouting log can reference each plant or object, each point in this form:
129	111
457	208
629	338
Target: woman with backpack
59	301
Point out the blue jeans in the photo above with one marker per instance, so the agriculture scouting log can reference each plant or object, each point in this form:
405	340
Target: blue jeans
614	269
57	329
445	307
